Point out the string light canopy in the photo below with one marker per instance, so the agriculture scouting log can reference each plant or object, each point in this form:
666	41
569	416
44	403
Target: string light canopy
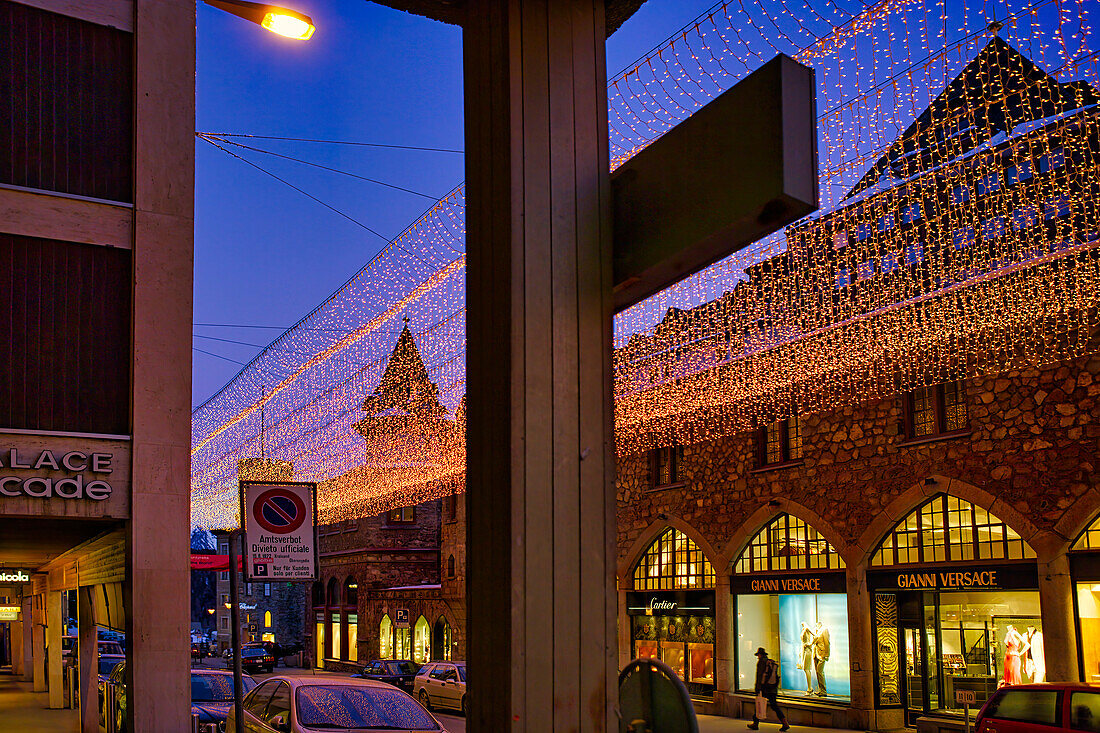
957	238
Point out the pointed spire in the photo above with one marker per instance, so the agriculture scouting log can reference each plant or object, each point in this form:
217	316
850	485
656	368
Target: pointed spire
405	385
997	91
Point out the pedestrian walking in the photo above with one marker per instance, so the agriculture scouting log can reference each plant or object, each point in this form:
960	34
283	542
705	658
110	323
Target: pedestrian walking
767	687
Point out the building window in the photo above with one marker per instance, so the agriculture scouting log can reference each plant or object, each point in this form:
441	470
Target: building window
225	599
451	566
1089	539
248	589
267	589
351	593
781	442
385	638
224	576
225	622
665	465
788	543
673	562
949	529
404	515
353	637
936	410
223	548
267	619
450	507
422	646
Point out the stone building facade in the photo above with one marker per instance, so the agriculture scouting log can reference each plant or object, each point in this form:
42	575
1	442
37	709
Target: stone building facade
387	590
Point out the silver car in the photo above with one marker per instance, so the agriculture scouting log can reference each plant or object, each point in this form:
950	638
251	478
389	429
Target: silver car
287	704
442	684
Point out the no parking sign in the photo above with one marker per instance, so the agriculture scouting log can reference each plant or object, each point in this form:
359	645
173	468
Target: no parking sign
279	531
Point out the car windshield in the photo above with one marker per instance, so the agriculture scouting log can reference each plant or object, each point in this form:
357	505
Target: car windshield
216	687
462	672
401	667
106	665
347	706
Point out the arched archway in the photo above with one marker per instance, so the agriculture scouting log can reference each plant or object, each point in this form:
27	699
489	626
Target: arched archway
956	594
422	646
441	639
790	597
672	608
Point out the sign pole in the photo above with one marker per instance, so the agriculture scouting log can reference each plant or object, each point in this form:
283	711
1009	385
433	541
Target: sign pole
235	638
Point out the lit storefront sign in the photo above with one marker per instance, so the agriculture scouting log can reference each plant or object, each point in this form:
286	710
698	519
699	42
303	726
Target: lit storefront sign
14	576
9	613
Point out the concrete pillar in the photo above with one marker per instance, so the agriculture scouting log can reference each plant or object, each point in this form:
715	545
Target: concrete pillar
27	614
541	552
725	645
861	631
1059	627
88	644
157	563
55	624
15	633
38	643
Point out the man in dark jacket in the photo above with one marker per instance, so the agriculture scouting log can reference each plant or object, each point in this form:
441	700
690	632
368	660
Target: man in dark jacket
767	685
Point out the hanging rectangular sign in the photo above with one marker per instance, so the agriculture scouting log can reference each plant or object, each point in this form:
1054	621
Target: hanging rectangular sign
280	530
9	613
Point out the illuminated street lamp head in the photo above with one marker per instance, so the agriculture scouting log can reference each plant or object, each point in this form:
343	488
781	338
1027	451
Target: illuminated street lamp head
283	21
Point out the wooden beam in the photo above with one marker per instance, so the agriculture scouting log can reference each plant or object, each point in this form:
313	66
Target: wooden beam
69	219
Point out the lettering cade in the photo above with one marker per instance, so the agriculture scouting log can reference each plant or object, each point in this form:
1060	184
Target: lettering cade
74	486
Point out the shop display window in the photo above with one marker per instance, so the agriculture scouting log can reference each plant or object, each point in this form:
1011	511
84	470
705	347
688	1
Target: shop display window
684	643
807	633
673	562
977	641
1088	613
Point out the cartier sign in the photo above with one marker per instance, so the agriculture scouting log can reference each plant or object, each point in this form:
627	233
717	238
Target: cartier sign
84	475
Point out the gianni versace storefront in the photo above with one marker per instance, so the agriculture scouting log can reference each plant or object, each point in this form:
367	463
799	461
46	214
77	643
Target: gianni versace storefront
790	597
955	607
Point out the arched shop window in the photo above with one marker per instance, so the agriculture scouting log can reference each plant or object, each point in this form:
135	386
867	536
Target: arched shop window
956	607
385	638
950	529
1084	563
319	625
673	562
790	590
788	543
671	610
422	647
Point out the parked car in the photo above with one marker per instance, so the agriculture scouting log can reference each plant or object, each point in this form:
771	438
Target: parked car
212	696
442	684
396	672
107	664
257	659
299	704
116	686
196	651
1040	708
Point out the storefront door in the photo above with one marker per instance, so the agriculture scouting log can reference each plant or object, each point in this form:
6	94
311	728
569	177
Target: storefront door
916	699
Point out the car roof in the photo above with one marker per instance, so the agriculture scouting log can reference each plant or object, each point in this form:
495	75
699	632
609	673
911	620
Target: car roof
326	681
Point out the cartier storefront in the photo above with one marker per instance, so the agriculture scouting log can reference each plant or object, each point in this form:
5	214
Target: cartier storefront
678	628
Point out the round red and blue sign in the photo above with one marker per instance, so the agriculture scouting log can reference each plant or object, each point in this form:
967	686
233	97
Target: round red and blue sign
279	511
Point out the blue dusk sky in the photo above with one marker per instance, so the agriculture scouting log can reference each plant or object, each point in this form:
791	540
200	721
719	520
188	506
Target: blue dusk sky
265	254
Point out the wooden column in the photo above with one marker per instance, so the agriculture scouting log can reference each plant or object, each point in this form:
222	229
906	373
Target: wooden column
88	647
157	568
54	626
38	642
540	464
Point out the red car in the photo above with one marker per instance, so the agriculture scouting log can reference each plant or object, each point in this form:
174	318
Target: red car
1041	708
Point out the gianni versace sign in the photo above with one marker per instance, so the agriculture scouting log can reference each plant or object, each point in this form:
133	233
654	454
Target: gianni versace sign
61	474
788	583
957	577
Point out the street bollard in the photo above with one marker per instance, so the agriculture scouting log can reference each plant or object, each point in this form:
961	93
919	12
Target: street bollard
194	723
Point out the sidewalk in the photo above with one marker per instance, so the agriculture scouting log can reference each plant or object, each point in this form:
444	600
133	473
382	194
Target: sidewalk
23	710
722	724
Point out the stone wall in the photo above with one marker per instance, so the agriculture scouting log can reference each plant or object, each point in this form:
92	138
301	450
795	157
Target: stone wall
1033	445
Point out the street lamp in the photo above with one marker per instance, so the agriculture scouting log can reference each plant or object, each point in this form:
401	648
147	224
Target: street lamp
283	21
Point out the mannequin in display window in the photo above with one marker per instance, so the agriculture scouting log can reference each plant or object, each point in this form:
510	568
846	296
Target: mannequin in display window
822	649
806	657
1016	647
1035	666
